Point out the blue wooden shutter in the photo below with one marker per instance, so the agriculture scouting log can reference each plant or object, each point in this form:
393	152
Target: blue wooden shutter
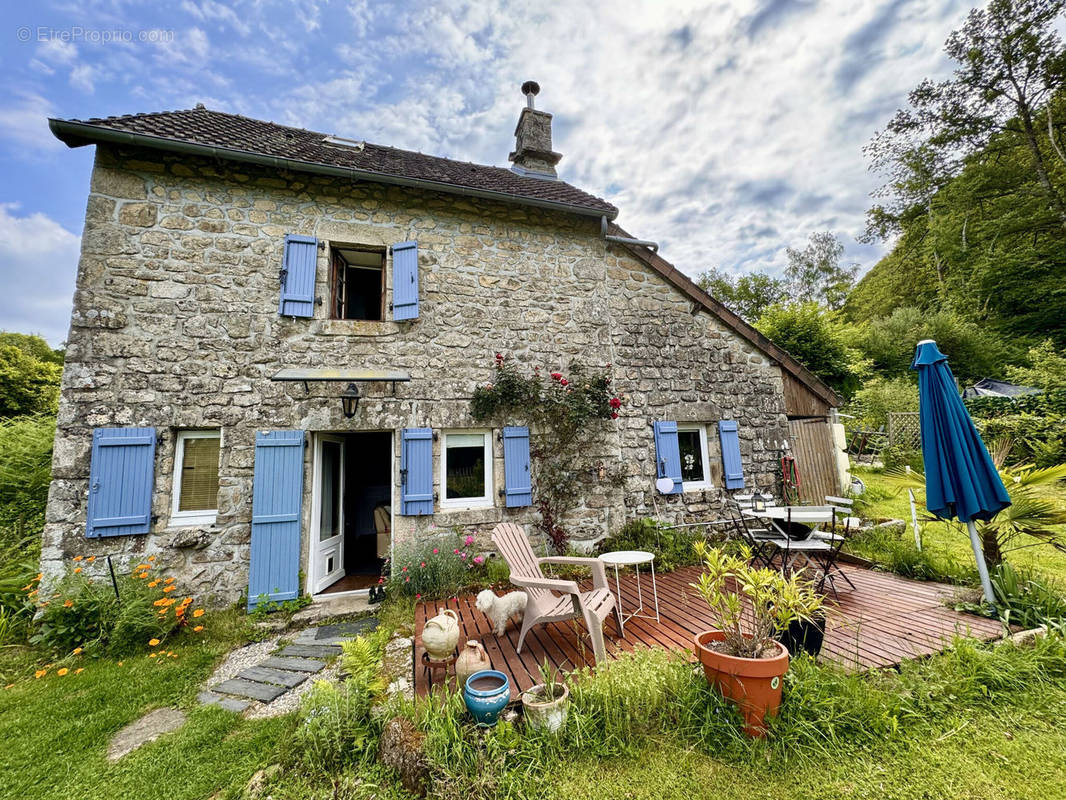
518	483
667	454
277	508
405	280
731	464
416	472
121	476
298	276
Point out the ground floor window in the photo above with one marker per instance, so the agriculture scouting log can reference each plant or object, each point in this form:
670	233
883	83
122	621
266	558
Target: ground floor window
466	469
692	444
196	478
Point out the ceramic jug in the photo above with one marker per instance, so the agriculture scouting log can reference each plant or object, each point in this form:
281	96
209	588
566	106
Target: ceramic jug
472	659
441	634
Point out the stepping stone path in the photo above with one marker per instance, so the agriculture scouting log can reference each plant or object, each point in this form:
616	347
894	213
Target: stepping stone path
268	680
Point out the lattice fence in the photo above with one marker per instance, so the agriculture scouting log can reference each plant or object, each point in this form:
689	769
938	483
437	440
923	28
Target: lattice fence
904	429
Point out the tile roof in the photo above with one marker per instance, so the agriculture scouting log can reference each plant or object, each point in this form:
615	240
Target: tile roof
245	136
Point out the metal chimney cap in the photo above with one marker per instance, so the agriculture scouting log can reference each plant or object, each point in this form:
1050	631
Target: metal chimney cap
531	87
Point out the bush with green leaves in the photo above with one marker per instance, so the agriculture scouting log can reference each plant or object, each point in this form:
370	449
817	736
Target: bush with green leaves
672	546
18	571
870	406
1046	368
435	568
25	474
82	610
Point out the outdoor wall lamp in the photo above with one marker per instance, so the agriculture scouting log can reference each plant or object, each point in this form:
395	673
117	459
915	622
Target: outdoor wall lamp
350	400
758	502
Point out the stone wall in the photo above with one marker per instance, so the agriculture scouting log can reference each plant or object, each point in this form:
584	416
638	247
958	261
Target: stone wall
175	325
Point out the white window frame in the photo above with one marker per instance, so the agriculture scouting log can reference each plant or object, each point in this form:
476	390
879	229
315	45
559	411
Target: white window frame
705	484
488	499
182	519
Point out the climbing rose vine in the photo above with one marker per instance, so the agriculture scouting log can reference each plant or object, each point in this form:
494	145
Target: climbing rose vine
566	413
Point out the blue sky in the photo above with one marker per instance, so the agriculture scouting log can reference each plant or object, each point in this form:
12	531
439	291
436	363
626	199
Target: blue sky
727	131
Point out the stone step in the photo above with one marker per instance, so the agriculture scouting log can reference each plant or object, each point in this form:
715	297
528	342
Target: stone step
228	703
337	632
261	674
294	664
311	651
264	692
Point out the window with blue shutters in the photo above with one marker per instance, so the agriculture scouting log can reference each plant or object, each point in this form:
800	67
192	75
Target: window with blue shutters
298	269
416	471
518	482
121	477
277	515
732	467
668	454
405	281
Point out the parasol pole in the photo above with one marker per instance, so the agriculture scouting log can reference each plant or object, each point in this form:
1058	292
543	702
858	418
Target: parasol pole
982	568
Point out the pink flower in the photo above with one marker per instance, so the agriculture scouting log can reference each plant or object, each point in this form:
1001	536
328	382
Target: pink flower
418	597
404	569
479	560
488	387
469	540
462	556
436	550
422	564
406	580
456	551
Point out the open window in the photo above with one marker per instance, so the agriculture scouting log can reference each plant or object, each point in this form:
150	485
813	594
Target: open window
466	470
195	489
695	469
357	281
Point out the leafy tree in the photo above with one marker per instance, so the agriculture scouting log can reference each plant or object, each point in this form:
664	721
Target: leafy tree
879	396
25	473
1010	63
815	274
889	342
33	345
27	384
748	295
1047	368
820	339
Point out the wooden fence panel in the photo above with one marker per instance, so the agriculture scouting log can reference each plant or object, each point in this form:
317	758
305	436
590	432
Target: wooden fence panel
815	454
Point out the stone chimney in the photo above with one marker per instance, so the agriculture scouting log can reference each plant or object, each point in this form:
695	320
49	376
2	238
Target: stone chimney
533	153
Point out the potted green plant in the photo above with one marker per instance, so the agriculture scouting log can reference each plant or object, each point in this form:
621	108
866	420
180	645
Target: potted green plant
750	606
545	705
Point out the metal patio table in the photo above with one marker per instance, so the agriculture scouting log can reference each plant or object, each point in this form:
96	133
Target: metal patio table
820	549
632	558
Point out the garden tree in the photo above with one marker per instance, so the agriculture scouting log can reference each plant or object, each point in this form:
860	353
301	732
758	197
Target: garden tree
975	174
820	339
1046	370
33	345
748	295
889	342
871	405
28	385
815	274
25	473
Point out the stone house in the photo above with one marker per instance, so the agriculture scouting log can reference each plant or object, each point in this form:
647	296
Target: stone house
276	334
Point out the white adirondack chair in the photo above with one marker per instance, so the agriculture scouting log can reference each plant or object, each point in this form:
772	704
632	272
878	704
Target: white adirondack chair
554	599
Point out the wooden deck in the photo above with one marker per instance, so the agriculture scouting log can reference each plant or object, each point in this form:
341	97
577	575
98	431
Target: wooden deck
883	621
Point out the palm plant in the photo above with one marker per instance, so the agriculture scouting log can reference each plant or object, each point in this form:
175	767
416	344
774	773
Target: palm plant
1035	512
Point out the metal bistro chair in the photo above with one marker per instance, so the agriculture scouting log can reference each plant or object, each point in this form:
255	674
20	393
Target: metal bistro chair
831	565
763	542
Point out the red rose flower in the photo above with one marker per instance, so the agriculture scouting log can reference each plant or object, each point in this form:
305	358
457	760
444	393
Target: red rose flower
615	403
557	376
614	415
564	382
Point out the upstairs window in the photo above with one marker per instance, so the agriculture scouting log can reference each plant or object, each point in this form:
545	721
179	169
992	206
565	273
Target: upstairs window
466	470
195	478
357	282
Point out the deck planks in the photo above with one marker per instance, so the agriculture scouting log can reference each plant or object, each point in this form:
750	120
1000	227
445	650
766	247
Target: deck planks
886	619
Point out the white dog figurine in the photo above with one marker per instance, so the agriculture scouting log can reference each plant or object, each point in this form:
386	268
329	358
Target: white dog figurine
501	609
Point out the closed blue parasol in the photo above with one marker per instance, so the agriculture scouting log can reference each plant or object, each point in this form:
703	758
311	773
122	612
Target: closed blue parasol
961	482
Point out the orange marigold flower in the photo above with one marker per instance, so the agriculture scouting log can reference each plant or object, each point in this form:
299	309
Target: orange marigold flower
62	671
198	628
152	655
39	576
179	611
169	580
10	686
172	654
40	673
78	558
68	604
153	642
187	601
198	612
77	651
120	663
169	601
79	670
153	584
169	588
31	594
27	587
77	570
151	558
91	559
159	602
143	566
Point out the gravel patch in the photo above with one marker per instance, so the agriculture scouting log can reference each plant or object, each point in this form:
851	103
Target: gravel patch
290	701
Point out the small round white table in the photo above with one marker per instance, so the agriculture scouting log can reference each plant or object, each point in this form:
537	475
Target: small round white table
632	558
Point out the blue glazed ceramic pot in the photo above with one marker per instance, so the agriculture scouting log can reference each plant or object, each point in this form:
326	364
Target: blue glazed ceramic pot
486	694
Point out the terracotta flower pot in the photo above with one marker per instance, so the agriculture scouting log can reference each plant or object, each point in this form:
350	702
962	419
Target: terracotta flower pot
754	684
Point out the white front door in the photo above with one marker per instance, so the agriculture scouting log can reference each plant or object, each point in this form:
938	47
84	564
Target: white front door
328	512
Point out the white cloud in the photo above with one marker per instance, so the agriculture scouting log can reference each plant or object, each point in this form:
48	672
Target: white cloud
38	261
25	124
82	77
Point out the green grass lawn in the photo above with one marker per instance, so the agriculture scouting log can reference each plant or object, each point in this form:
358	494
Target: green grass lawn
950	541
56	729
1017	752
